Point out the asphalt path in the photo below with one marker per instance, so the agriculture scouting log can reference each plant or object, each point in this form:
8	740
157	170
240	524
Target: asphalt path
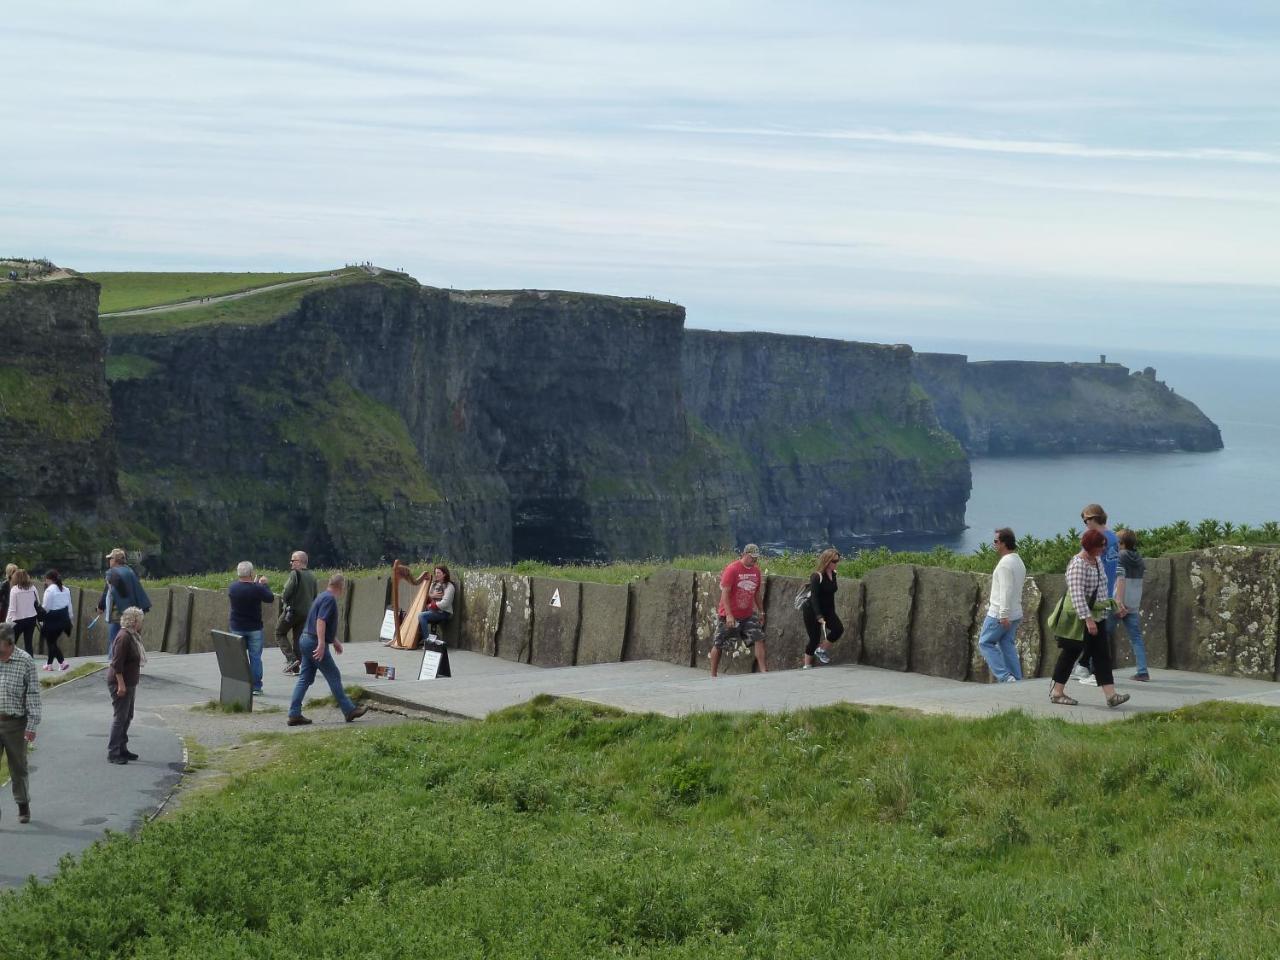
76	795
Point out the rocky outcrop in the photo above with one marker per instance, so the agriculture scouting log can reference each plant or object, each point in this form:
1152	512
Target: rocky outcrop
1006	407
1224	607
59	501
822	440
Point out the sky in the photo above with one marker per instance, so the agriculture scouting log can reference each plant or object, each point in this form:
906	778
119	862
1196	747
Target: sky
998	177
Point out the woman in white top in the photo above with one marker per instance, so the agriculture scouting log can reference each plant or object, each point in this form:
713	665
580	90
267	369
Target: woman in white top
57	618
22	607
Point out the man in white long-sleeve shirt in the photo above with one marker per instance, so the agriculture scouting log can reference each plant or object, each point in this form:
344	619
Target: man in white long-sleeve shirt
1005	612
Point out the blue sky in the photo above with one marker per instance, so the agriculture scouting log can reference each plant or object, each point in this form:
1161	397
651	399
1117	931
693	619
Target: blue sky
1060	177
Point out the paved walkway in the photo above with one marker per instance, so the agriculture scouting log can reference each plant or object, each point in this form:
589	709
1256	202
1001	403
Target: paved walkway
77	795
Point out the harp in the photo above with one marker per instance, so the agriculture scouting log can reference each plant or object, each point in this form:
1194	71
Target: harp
407	624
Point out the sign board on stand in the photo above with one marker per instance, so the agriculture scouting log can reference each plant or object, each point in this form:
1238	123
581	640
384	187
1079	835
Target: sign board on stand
388	630
435	660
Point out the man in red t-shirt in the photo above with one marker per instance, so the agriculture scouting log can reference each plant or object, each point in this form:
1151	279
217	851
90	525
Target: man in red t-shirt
740	615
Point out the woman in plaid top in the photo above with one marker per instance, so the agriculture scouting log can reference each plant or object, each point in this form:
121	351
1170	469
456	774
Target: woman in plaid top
1086	588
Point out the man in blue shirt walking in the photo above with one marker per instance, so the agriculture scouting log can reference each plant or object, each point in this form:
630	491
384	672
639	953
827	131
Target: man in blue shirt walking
318	636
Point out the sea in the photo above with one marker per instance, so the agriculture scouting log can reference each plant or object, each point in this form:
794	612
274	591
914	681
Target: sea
1042	495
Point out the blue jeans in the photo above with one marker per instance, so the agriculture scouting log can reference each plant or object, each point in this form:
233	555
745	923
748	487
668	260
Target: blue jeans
253	646
112	630
307	676
429	617
997	648
1133	626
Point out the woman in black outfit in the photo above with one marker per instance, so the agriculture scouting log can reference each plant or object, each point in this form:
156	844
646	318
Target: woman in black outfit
57	619
820	620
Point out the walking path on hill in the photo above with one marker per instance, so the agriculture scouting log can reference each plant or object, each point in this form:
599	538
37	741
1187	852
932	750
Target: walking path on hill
208	301
76	795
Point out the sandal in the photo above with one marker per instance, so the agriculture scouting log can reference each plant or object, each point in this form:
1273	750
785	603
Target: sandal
1064	701
1116	699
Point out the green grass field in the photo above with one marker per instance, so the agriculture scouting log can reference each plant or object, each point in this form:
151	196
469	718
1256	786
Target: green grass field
569	831
131	291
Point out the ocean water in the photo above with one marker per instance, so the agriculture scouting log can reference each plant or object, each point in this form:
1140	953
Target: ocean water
1241	483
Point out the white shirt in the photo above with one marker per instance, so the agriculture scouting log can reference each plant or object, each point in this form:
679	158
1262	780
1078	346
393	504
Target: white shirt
1006	588
22	604
55	599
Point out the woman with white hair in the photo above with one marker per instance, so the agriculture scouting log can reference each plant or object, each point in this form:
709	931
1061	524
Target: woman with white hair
247	598
123	672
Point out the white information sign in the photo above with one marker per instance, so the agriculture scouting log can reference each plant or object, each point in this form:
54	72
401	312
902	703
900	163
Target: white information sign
555	598
430	665
388	625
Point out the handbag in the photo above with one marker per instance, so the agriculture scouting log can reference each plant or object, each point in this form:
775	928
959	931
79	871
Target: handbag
1063	622
804	595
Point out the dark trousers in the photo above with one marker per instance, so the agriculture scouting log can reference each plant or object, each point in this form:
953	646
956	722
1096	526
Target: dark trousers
121	717
429	618
24	629
1095	646
50	635
835	629
288	635
13	743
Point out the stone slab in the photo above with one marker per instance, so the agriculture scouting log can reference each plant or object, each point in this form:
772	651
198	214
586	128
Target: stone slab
481	612
886	631
367	605
603	627
90	643
555	625
942	622
210	610
1052	587
156	622
515	630
1223	611
660	622
849	601
1029	639
177	634
784	625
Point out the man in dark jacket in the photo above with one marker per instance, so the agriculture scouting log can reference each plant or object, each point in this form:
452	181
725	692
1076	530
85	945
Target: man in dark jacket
122	591
295	602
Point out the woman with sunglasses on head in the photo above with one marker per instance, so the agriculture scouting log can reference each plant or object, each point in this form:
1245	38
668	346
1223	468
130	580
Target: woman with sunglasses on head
820	620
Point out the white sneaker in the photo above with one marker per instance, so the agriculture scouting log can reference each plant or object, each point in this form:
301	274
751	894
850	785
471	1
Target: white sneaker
1080	672
1010	679
1089	681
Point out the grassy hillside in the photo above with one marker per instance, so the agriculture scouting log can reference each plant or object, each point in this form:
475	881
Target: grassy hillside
130	291
247	311
567	831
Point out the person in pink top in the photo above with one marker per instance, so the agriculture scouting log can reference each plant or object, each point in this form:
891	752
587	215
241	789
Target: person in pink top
740	615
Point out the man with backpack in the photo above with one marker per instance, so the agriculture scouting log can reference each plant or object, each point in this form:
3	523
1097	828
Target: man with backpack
122	591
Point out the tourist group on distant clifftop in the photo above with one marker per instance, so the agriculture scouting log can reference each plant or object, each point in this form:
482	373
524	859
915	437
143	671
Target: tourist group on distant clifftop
1104	589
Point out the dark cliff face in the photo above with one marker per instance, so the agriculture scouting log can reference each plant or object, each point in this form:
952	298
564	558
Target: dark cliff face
383	418
58	494
823	439
1017	407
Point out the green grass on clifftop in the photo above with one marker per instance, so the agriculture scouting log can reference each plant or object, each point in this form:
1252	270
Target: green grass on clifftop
131	291
570	831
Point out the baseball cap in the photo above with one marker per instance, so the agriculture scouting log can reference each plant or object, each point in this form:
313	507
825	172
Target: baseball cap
752	549
117	553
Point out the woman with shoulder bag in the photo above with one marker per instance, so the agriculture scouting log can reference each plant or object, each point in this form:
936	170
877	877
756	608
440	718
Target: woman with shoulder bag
24	608
819	613
1080	622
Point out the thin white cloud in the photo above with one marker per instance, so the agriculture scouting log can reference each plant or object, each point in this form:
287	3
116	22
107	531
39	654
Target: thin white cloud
947	141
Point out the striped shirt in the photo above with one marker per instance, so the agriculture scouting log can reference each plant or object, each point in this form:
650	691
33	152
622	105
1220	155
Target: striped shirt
1085	578
20	688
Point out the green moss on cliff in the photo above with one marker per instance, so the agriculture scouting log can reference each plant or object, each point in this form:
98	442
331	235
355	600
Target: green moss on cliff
53	407
130	366
859	437
365	443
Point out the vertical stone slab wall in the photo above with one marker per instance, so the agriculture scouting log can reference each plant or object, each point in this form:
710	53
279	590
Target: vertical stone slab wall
177	635
515	631
602	630
886	632
1029	639
660	622
210	610
555	625
942	622
1223	611
1052	587
480	613
849	608
156	622
367	603
784	631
